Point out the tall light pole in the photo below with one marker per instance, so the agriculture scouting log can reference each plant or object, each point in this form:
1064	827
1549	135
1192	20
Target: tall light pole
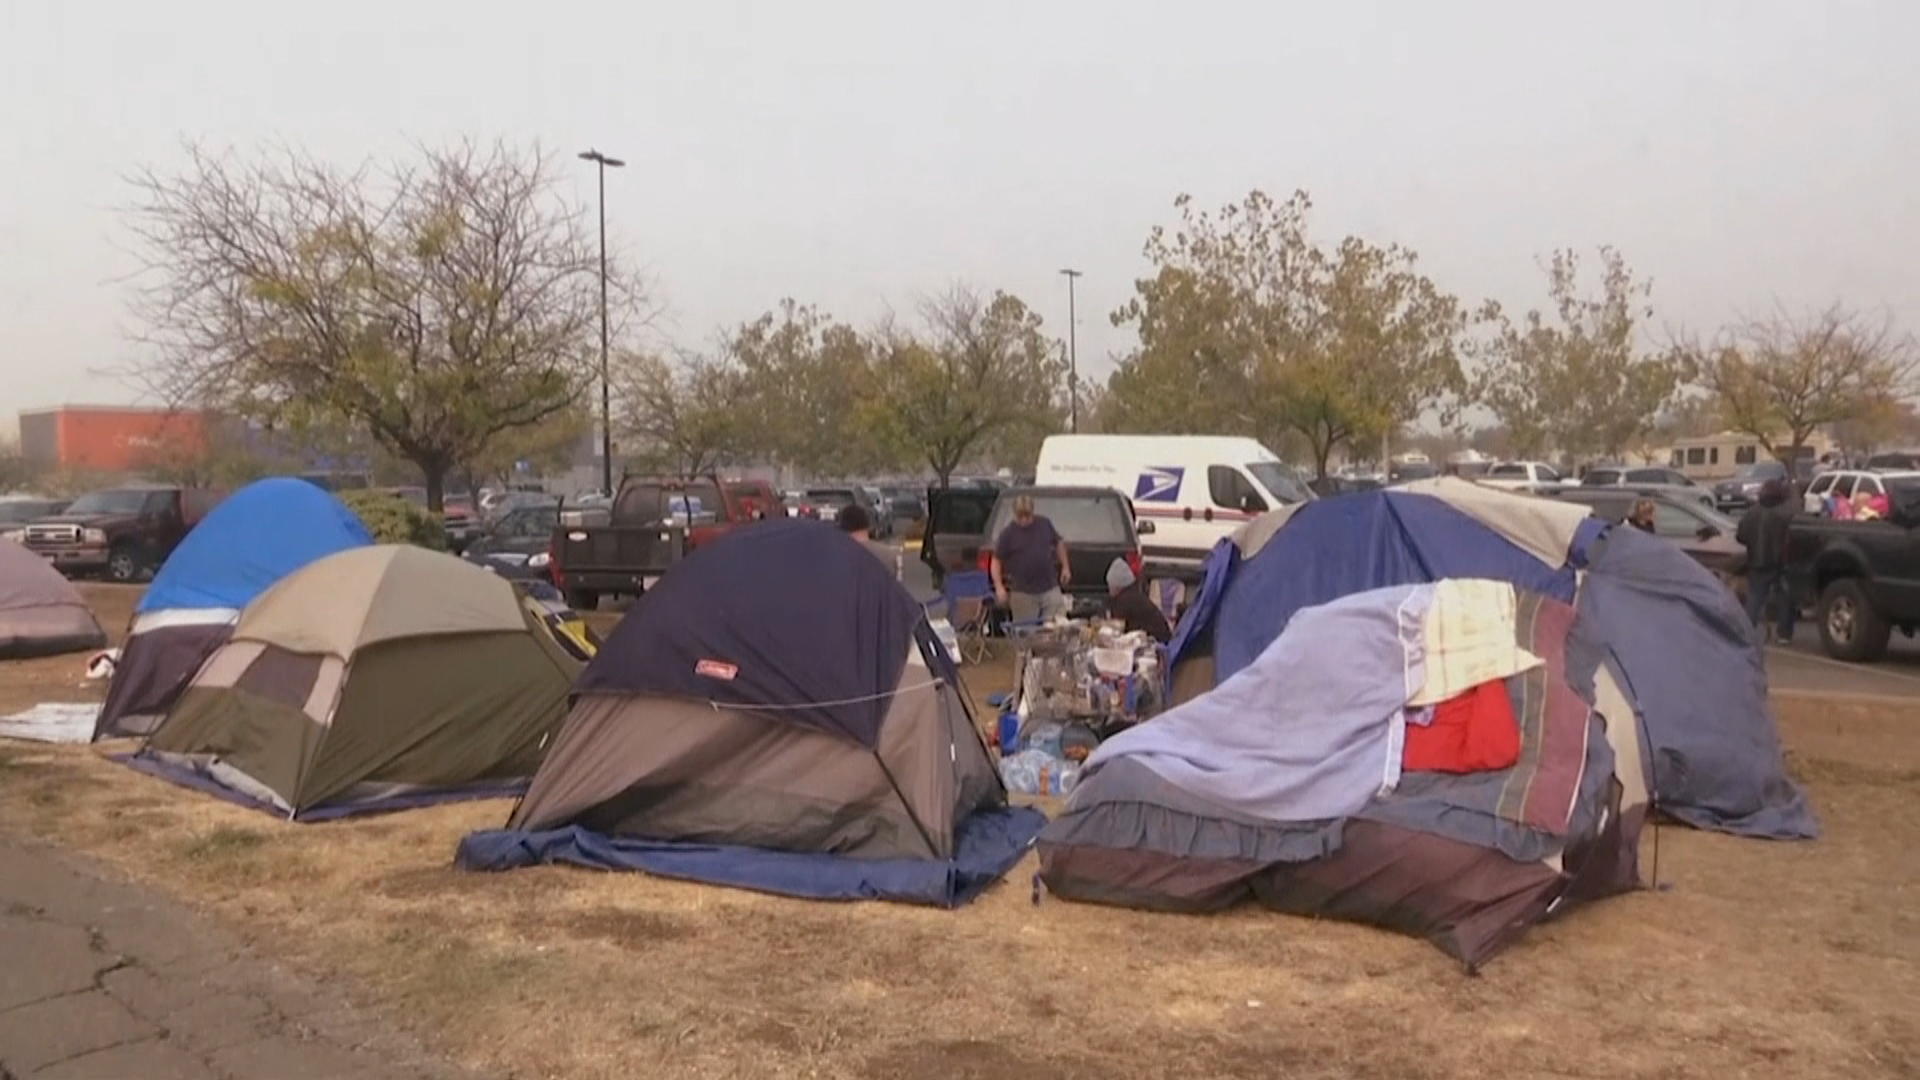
606	395
1073	358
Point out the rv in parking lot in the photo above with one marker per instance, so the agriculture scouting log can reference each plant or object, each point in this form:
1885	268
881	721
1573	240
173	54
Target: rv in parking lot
1196	489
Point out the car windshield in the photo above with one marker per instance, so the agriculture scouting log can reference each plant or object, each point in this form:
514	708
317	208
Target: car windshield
1603	476
109	502
529	521
13	513
1508	470
1903	490
834	497
1414	470
1079	519
1282	480
647	504
1761	470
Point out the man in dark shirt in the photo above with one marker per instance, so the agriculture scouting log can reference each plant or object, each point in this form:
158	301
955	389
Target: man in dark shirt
1030	565
1763	529
1127	600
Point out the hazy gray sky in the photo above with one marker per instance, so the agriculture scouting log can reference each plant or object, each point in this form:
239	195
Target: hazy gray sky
859	155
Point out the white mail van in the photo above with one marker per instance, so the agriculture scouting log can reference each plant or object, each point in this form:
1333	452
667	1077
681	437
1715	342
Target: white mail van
1192	490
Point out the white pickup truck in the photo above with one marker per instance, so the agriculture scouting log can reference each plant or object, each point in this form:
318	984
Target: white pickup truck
1520	475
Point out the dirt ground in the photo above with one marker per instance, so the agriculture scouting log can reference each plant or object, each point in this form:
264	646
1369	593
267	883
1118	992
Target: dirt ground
1752	959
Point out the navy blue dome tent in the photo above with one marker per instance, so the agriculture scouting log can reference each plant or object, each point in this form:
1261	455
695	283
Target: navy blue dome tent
775	714
256	536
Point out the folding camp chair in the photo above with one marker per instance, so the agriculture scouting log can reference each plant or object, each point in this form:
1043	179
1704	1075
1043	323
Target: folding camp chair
968	616
968	596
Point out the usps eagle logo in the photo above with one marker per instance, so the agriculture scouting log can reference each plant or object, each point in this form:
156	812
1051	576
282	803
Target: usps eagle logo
1158	484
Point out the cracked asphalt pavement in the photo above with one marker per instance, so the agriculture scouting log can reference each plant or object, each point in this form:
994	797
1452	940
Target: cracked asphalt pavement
102	980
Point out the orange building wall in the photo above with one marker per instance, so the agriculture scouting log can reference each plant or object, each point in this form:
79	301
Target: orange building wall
120	440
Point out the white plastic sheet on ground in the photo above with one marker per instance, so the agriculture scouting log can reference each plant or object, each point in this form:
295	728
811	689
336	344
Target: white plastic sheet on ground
52	722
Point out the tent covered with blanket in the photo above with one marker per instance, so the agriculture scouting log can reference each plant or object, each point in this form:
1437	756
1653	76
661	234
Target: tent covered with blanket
1689	661
1327	757
775	714
255	537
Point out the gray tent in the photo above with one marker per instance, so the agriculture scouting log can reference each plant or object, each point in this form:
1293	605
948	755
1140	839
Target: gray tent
40	612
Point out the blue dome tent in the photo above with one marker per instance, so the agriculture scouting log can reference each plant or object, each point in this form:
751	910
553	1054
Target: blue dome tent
255	537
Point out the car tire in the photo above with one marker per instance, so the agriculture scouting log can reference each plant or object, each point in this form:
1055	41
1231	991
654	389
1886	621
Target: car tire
1850	628
124	564
583	599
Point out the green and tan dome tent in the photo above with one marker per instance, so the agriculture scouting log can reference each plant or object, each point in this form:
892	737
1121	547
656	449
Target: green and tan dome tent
376	678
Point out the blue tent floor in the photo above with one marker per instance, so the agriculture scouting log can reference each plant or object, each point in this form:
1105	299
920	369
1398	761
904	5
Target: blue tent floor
987	845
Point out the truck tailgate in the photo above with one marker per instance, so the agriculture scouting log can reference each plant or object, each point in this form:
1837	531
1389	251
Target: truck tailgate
621	549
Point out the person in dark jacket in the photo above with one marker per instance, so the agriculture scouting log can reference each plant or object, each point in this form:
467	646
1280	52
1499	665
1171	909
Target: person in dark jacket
1127	600
1763	529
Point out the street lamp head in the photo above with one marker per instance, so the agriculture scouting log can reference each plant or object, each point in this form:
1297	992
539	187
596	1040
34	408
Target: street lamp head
1072	273
602	159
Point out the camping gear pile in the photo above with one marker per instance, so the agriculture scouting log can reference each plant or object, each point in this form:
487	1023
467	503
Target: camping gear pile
1294	773
1076	683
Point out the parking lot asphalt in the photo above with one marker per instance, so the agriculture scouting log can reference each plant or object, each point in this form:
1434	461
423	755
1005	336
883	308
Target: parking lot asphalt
1803	667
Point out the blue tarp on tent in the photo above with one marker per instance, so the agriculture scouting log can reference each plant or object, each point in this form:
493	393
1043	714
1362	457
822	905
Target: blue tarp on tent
1352	543
255	537
1676	635
987	844
1688	654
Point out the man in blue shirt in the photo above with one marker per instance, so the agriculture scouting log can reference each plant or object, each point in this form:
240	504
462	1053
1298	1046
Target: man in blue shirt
1030	565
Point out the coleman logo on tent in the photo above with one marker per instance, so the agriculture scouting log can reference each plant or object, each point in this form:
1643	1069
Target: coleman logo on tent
716	669
1160	483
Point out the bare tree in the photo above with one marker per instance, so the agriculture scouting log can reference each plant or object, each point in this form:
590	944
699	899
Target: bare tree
1249	326
977	369
15	470
688	414
1574	379
1781	377
439	304
807	374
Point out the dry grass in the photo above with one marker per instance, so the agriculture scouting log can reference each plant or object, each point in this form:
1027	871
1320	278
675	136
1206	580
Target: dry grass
1762	959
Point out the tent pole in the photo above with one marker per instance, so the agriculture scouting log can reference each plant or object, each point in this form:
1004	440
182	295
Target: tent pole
933	849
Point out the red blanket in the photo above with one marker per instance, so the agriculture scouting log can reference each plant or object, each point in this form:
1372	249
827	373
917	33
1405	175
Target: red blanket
1473	732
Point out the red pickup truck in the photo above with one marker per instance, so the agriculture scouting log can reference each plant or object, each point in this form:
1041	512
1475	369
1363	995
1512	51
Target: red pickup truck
652	523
